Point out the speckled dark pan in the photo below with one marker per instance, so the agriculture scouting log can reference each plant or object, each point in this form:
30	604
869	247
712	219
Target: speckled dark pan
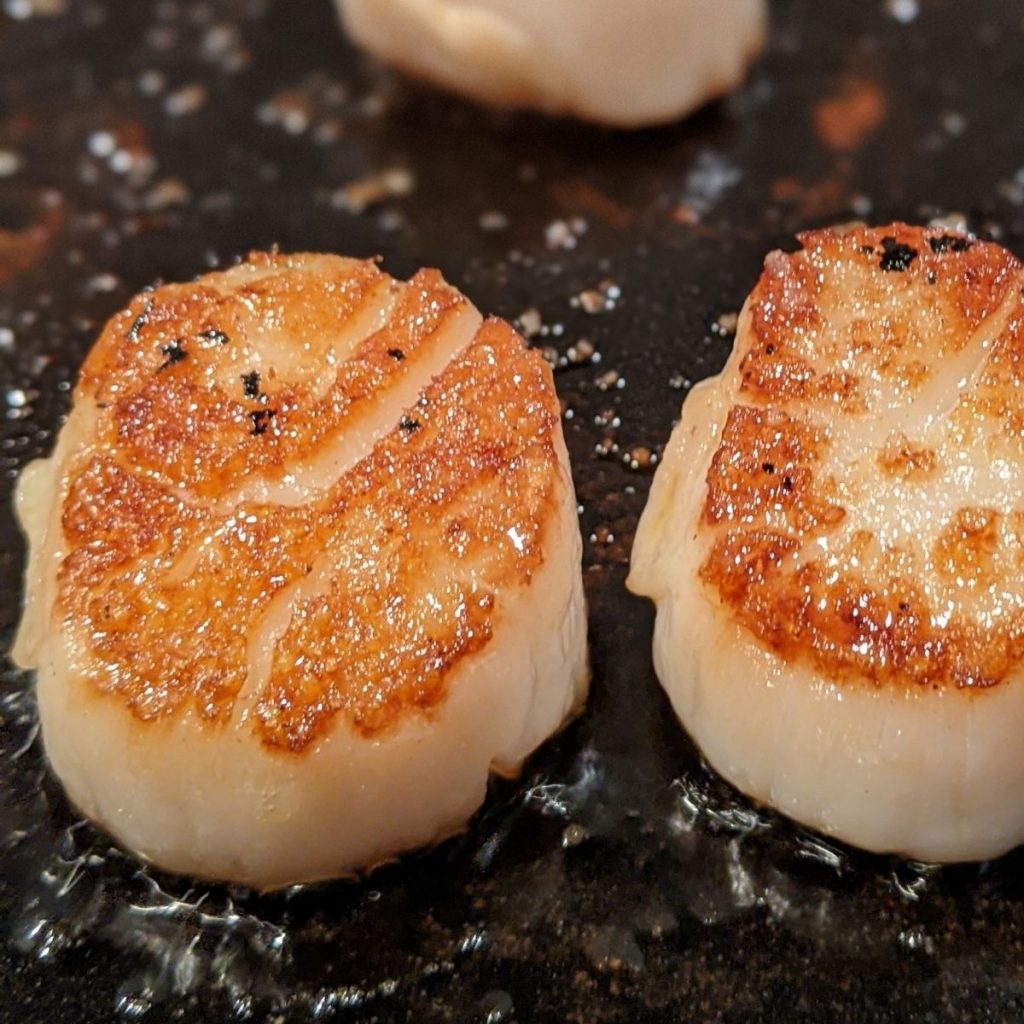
618	880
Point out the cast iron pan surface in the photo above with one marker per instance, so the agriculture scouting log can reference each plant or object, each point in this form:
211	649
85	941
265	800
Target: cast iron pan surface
618	879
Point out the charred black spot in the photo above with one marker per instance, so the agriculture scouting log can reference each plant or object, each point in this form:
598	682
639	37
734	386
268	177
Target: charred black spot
397	354
261	420
932	279
140	321
904	606
868	250
251	384
408	425
767	467
950	243
214	337
787	483
896	255
769	350
174	352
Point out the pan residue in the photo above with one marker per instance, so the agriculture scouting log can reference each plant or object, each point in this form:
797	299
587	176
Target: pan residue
618	879
594	871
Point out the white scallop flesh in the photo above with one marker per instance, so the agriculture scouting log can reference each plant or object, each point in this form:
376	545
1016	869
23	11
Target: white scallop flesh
833	543
304	570
620	64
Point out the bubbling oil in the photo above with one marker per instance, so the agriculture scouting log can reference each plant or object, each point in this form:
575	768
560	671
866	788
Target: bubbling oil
590	859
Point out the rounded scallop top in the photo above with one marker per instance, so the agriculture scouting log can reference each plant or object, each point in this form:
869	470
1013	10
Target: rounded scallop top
301	488
864	508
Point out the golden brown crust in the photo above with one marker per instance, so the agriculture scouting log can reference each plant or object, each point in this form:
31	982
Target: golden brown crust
901	457
966	548
841	377
397	569
177	368
850	628
447	535
764	468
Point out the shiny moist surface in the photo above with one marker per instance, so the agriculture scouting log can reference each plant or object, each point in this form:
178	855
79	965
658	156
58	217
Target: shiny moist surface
617	880
865	501
269	382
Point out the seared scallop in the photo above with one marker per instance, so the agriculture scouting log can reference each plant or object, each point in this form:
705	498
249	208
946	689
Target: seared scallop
835	544
304	569
616	63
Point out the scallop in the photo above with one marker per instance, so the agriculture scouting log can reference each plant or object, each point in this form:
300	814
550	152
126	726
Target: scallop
626	65
304	570
835	544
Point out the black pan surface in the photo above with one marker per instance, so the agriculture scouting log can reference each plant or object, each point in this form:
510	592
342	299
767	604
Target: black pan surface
618	879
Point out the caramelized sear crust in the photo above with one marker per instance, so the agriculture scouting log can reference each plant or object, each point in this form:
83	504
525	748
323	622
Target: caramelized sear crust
371	571
245	373
865	506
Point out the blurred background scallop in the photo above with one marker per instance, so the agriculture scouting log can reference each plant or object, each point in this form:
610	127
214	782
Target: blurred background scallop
620	64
